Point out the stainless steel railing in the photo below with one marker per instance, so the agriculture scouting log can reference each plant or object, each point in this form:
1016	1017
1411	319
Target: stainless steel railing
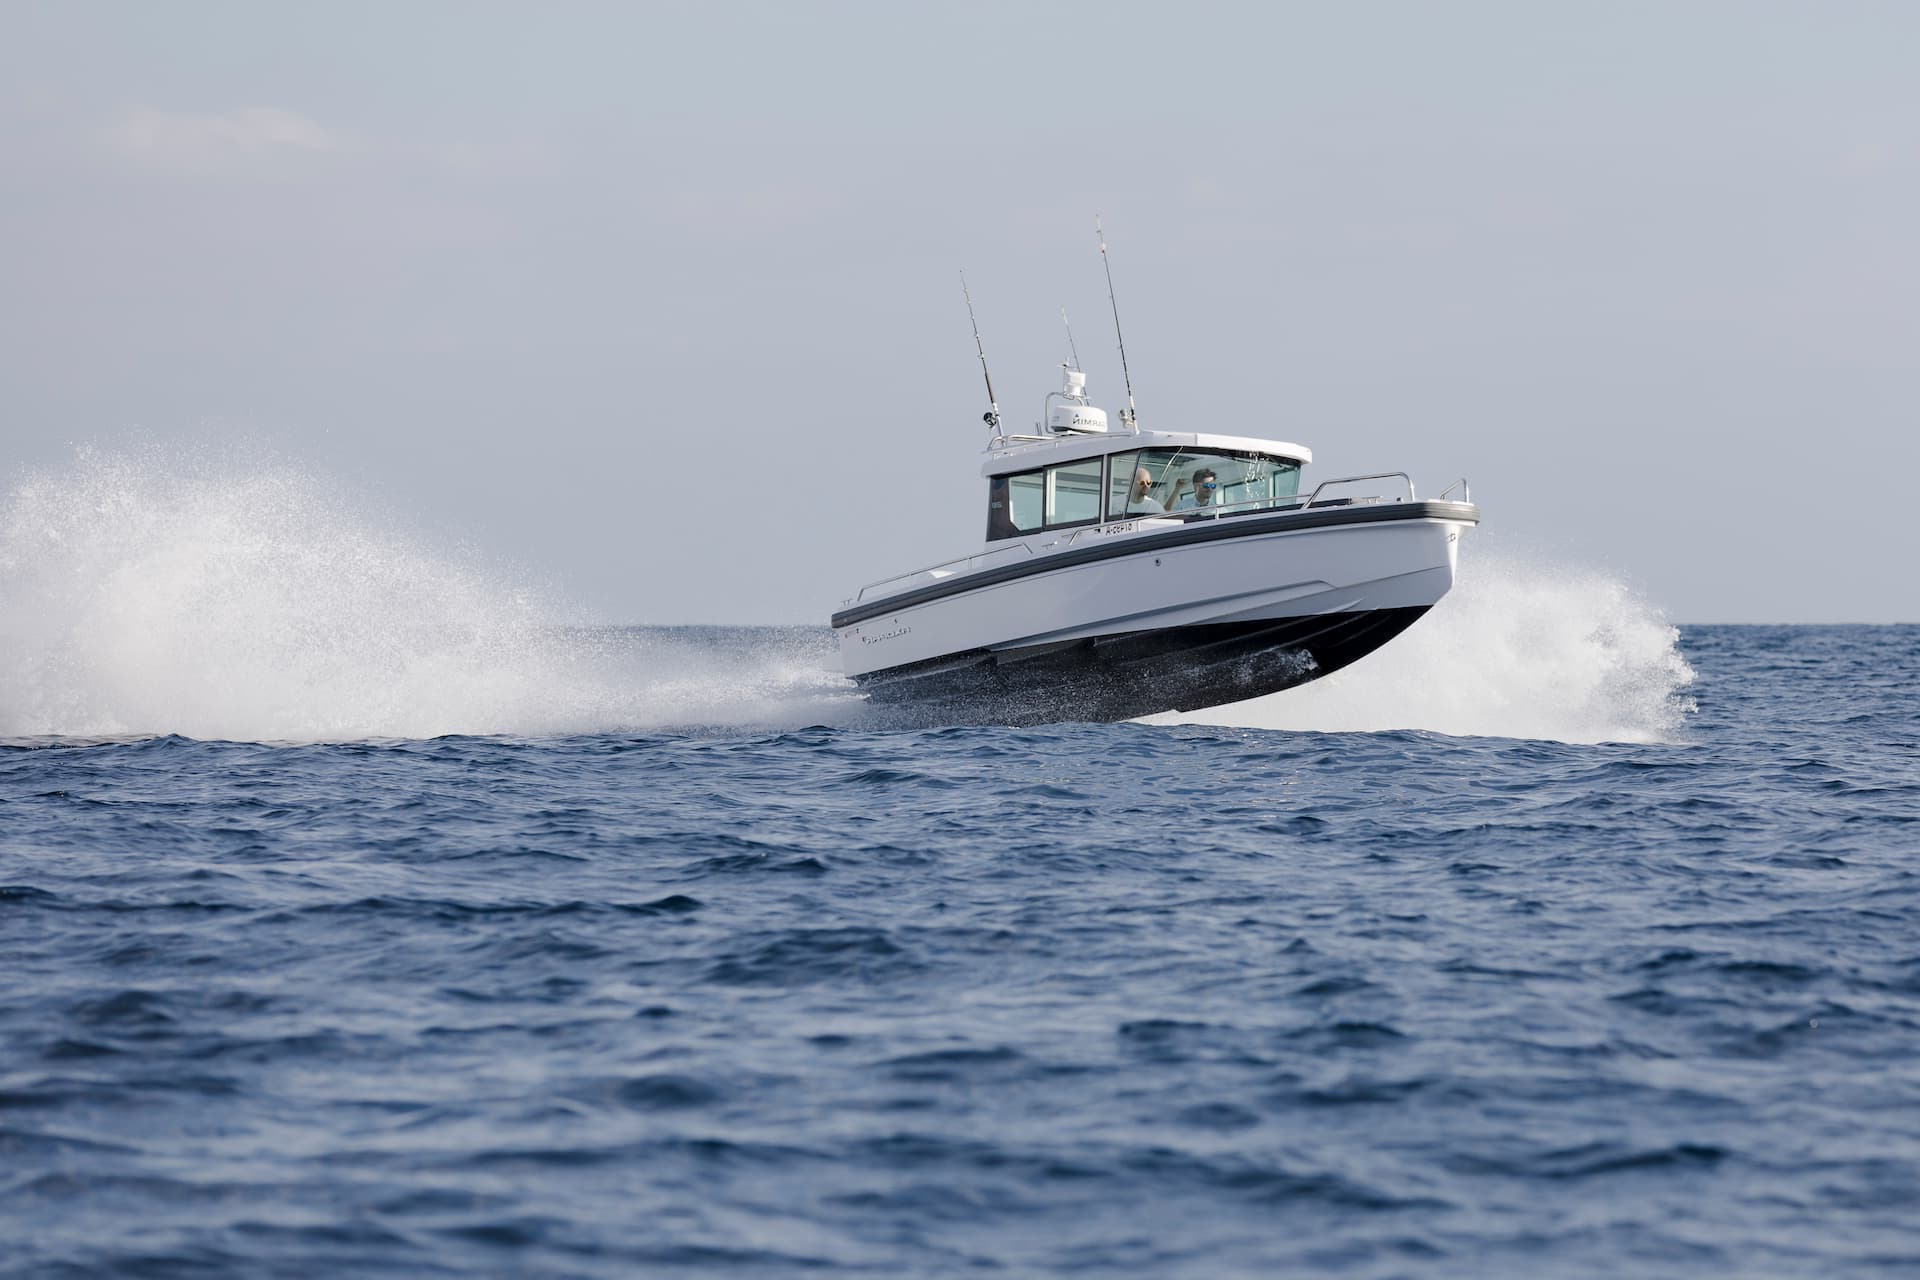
946	569
1378	475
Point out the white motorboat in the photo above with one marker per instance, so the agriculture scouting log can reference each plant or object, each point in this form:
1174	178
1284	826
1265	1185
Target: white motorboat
1132	571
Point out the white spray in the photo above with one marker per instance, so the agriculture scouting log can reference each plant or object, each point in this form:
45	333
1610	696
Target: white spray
1518	649
144	592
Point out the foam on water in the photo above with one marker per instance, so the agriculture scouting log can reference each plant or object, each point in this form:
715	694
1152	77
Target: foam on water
1517	650
151	593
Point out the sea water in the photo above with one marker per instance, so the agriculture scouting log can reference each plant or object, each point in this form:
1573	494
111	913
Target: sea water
358	918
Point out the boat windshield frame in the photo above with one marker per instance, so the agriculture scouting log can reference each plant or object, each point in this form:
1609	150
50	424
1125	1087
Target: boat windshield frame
1244	479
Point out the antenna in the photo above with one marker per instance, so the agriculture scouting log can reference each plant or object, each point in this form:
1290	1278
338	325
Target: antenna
1075	351
1131	417
992	415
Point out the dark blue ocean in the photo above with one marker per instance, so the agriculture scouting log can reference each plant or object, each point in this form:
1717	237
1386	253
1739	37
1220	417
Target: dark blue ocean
757	988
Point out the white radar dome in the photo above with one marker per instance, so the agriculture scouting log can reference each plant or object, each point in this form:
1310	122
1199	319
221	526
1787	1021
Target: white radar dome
1076	417
1074	413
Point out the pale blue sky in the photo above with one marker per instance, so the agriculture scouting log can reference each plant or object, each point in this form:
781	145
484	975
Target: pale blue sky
567	283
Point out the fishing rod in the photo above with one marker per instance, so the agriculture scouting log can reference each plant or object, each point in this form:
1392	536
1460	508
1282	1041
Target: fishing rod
1071	349
992	415
1130	417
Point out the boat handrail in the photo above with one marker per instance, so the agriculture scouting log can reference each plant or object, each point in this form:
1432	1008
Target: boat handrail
1377	475
1466	494
1294	502
946	567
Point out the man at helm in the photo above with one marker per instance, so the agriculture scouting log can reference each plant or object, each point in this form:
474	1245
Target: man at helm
1141	501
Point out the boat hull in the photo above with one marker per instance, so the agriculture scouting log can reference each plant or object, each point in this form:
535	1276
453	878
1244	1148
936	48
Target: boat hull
1131	674
1160	617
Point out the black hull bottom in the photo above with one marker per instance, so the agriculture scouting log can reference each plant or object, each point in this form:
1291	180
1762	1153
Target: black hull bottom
1133	674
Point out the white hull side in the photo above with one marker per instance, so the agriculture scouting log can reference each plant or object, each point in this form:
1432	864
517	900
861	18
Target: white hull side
1274	574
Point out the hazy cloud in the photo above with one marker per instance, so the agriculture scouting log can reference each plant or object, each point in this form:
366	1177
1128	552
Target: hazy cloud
233	140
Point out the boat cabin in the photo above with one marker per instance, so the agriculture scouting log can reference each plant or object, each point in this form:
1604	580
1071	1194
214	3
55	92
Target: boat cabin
1080	473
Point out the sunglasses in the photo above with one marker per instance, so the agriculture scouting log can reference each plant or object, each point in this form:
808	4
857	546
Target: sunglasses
1209	484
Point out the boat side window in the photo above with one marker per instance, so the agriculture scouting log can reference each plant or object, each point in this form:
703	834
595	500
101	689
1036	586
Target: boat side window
1016	504
1029	490
1073	493
1044	498
999	511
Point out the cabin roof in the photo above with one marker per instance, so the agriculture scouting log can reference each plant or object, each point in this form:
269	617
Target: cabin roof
1020	453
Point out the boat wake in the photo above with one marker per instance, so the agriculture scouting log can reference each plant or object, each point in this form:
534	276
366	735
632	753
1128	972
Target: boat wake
144	593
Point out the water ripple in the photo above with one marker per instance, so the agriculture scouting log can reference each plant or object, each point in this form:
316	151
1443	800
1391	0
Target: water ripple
1091	1000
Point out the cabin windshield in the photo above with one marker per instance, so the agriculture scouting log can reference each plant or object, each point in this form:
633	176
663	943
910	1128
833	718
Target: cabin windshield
1199	481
